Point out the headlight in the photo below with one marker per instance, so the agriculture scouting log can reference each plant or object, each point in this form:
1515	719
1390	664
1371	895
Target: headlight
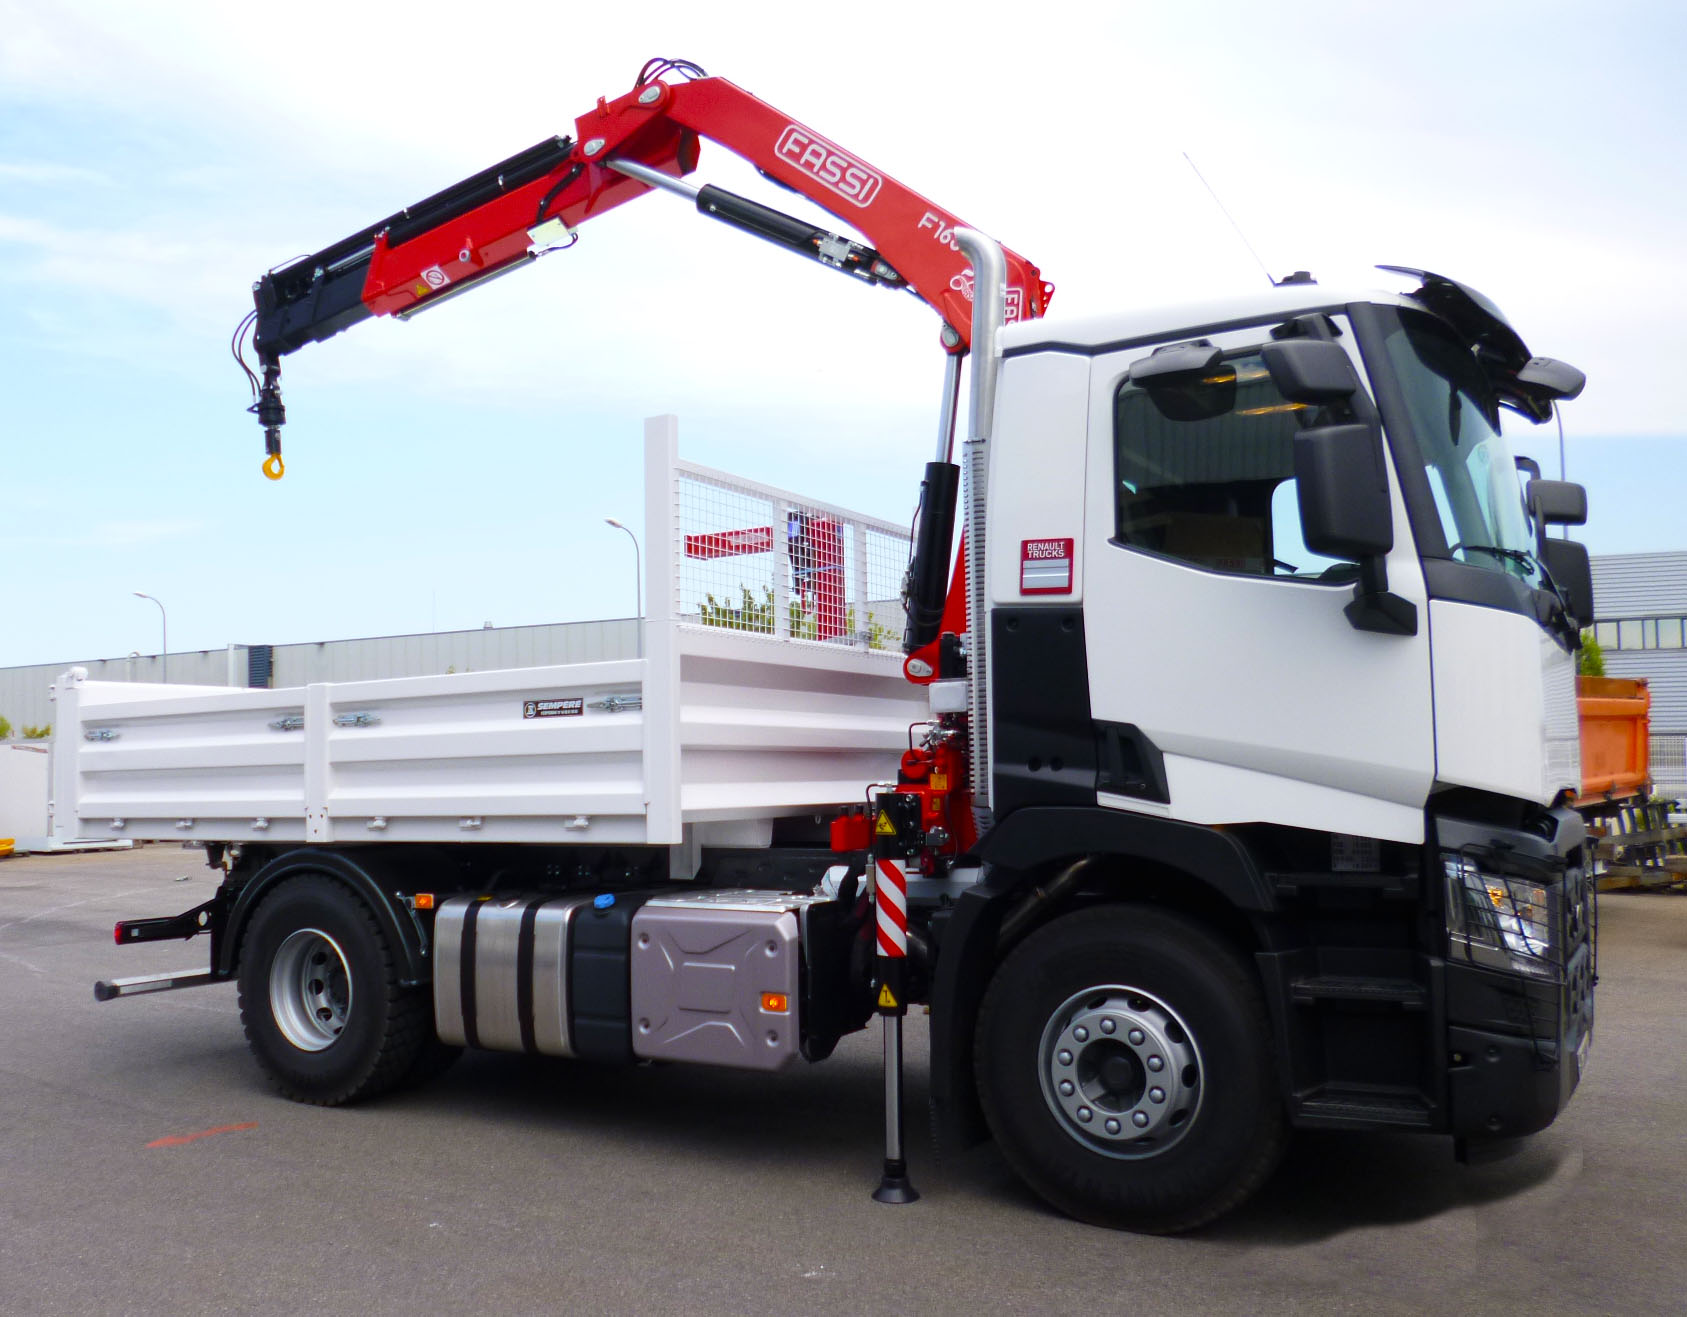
1501	922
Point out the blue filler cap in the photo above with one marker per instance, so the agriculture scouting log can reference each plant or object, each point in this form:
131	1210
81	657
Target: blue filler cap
603	900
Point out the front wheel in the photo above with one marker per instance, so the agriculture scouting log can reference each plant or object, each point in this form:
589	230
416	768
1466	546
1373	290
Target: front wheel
1124	1064
321	1000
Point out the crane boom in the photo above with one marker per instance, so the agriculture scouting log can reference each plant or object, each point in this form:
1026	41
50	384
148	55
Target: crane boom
507	215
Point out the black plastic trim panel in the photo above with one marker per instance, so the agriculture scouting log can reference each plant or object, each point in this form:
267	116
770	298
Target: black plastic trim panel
1131	764
1463	583
1043	740
1031	837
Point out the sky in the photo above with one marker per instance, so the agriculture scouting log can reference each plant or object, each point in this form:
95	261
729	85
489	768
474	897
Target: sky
456	469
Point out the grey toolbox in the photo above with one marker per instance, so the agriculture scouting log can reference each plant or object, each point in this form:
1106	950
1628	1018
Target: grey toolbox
717	977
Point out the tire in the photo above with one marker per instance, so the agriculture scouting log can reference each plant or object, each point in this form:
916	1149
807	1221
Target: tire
1124	1063
321	1002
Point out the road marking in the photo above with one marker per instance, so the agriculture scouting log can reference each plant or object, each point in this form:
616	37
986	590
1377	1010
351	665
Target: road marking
71	905
176	1140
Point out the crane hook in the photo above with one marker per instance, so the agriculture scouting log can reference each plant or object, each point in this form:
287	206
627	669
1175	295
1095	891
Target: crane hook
272	416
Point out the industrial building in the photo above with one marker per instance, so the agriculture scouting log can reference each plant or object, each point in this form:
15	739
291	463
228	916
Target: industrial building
23	690
1640	601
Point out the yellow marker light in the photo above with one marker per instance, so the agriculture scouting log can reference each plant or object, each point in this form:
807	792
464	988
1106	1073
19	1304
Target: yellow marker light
775	1003
423	900
273	466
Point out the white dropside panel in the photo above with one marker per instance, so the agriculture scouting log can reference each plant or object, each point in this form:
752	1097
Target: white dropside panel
770	729
728	727
762	691
1505	709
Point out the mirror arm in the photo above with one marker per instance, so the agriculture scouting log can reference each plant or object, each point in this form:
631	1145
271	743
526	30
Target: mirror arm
1375	607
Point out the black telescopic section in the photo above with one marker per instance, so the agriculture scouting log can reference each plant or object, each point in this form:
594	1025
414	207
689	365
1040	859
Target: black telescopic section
930	569
317	296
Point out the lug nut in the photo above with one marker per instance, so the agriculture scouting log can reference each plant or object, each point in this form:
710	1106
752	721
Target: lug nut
1139	1118
1113	1126
1156	1064
1136	1036
1081	1034
1107	1026
1156	1095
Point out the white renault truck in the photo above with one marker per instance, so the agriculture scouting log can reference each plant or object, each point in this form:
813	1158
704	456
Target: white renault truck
1217	790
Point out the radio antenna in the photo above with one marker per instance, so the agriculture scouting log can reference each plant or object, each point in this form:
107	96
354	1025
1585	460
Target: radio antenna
1233	224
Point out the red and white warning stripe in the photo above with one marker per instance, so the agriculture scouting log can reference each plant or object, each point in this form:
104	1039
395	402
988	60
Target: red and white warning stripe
891	898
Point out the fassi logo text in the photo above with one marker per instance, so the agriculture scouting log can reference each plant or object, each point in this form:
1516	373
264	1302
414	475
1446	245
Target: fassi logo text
840	172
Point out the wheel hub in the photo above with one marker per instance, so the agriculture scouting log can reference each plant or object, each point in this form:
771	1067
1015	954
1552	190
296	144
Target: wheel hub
1120	1071
310	989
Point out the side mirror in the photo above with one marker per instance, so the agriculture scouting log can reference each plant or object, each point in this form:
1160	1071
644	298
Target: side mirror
1550	378
1175	363
1310	370
1568	565
1557	502
1343	490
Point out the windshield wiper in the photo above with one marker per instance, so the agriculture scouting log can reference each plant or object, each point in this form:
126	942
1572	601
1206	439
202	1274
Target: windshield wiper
1521	557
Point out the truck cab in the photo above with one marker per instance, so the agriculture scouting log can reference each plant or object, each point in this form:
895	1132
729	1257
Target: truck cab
1277	648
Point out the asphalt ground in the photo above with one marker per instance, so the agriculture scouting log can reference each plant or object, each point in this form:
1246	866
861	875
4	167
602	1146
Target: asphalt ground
145	1167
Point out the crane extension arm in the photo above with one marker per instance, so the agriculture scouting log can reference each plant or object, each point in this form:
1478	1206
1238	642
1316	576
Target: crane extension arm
504	217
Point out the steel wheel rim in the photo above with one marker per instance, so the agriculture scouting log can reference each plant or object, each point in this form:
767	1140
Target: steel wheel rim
1120	1071
310	990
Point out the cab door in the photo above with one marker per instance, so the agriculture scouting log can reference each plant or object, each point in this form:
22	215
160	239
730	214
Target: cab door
1219	656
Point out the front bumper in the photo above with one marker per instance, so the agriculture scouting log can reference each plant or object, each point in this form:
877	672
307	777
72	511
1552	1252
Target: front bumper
1517	1043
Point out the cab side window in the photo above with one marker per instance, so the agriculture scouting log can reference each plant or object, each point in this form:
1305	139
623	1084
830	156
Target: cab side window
1204	472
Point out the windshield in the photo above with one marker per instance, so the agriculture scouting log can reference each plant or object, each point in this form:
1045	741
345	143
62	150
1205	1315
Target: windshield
1472	476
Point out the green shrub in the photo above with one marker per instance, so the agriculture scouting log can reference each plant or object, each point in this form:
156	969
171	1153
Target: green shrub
1590	662
756	615
40	733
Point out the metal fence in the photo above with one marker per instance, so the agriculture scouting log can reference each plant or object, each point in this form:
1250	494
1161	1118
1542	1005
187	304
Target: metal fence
753	558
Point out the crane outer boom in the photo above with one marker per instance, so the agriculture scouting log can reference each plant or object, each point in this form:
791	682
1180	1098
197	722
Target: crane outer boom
657	125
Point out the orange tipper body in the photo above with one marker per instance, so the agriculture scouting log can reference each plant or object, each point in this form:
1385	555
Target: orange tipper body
1616	722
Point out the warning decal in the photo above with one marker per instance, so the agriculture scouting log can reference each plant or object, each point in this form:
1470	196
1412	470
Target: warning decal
887	998
884	827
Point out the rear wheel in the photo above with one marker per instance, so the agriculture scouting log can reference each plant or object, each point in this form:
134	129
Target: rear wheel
1124	1064
320	997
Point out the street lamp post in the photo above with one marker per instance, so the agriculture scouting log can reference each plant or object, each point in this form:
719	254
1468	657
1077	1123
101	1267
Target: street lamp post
164	644
638	580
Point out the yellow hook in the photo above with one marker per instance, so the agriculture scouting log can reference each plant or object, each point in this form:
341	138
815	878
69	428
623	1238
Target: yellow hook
273	467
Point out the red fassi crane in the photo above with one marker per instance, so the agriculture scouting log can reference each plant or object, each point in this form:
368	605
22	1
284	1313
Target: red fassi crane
521	208
528	205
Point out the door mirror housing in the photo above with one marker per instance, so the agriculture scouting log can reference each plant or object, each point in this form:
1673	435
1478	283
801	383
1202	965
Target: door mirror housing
1567	564
1557	503
1175	363
1310	370
1343	490
1345	512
